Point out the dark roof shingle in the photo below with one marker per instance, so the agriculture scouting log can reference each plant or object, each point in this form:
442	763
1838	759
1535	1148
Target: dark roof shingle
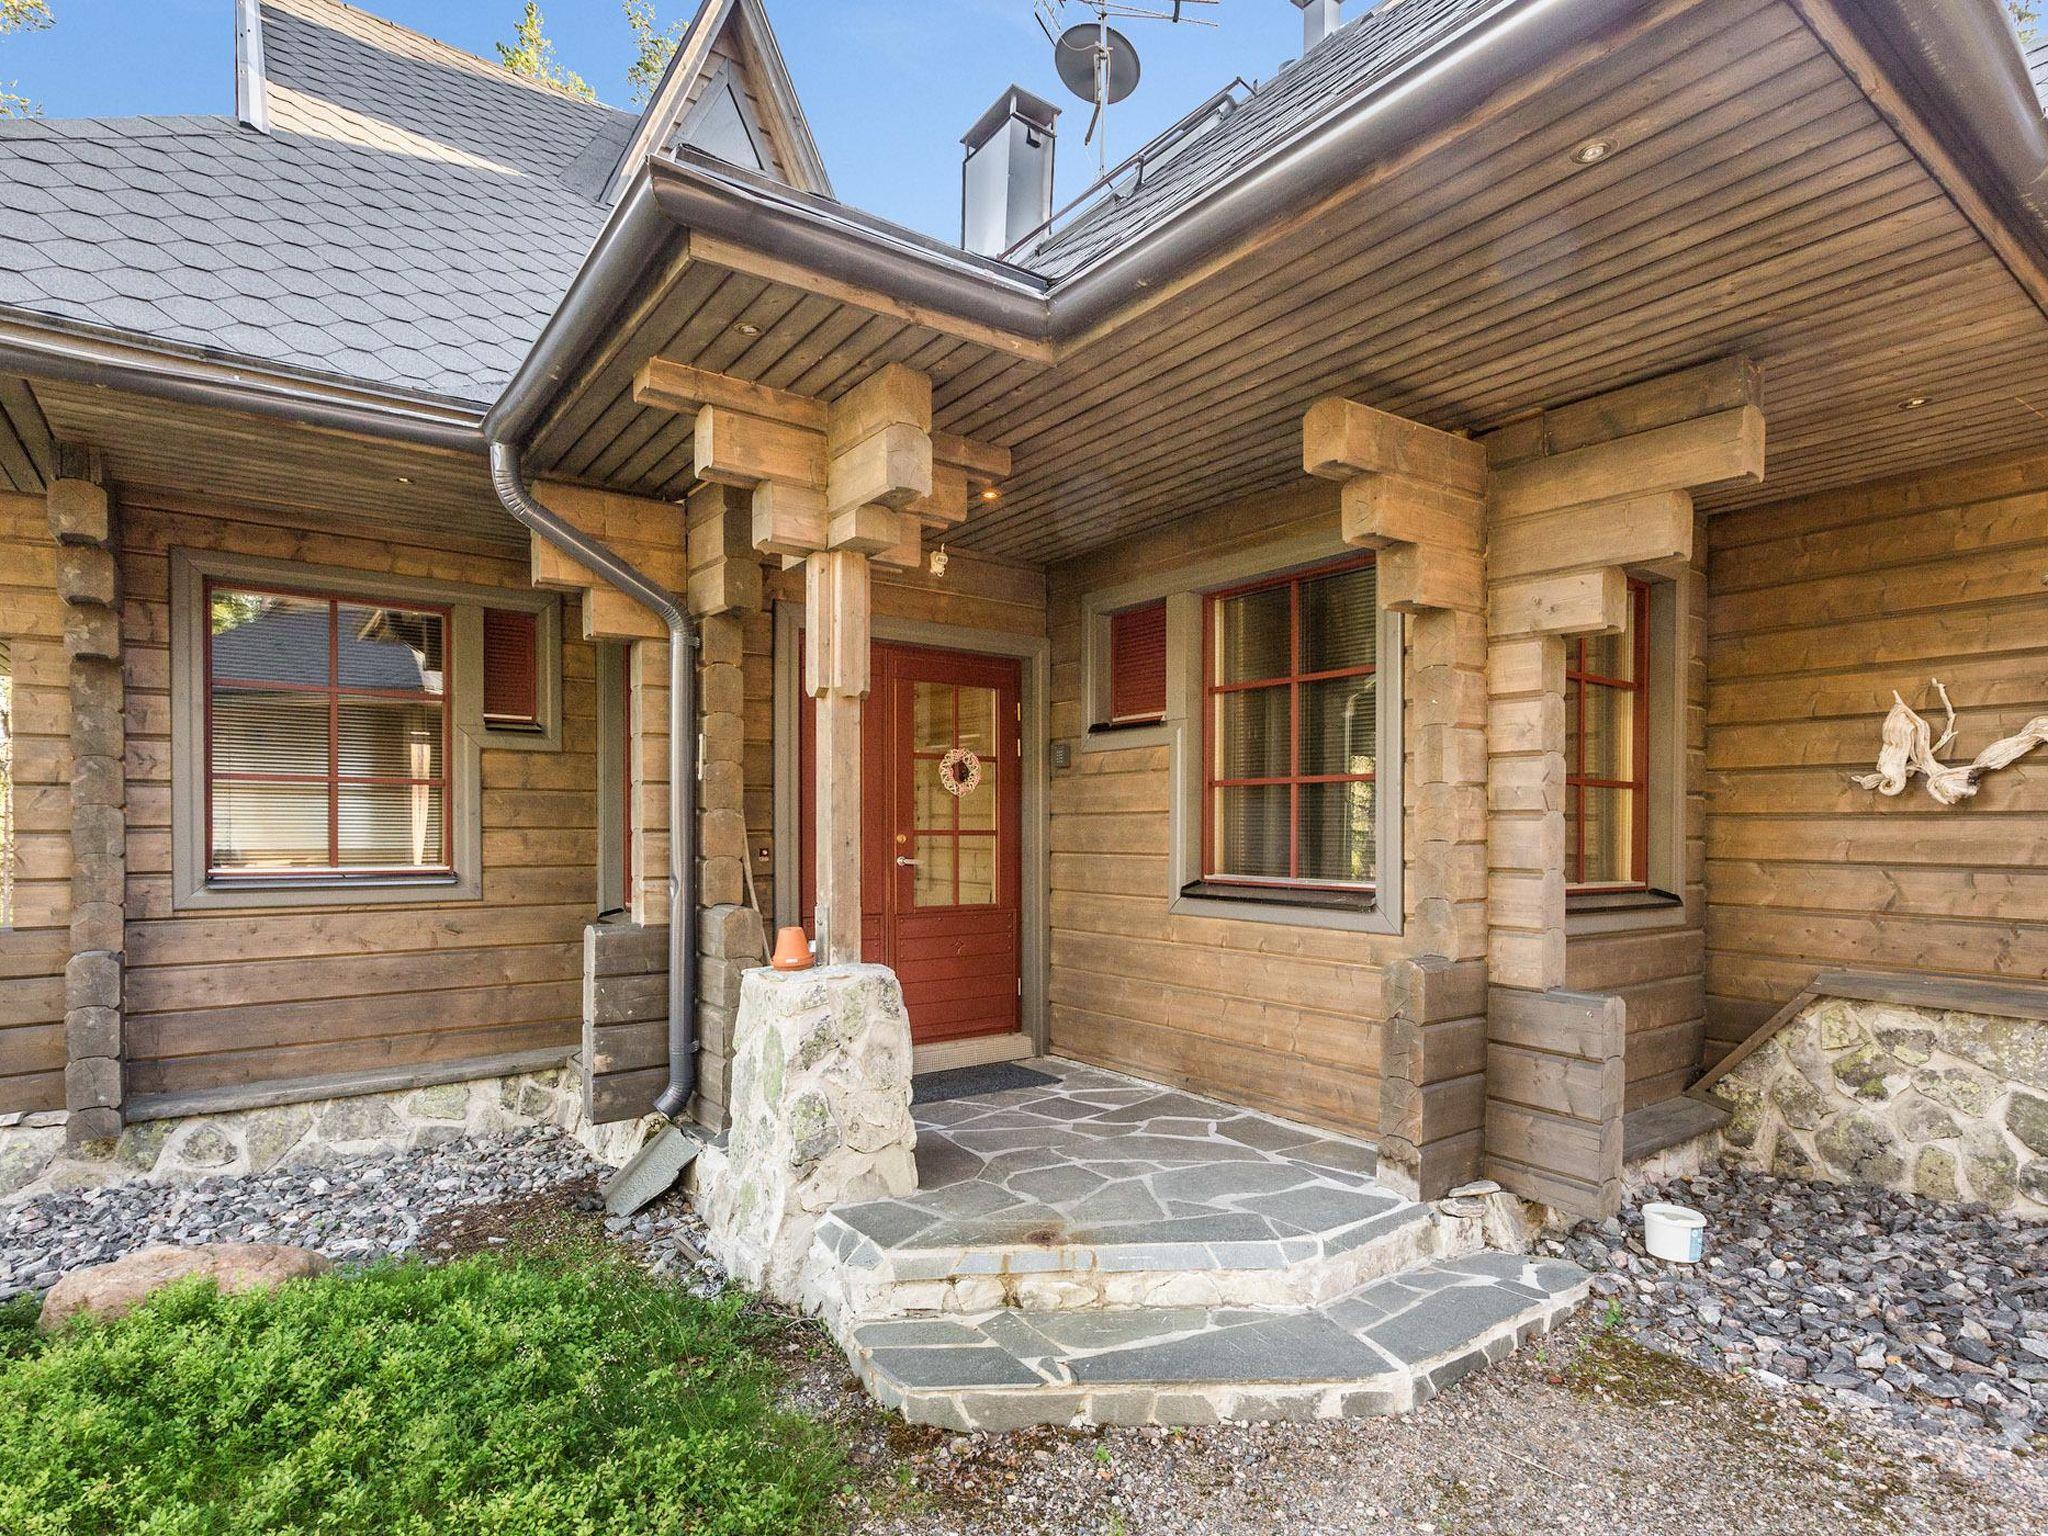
411	220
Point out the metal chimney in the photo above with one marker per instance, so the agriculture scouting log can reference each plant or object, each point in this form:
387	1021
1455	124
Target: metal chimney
1319	18
1006	182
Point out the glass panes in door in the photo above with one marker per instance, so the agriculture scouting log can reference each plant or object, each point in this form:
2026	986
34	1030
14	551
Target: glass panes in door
955	772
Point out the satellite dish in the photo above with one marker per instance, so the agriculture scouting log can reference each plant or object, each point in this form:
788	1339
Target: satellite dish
1075	56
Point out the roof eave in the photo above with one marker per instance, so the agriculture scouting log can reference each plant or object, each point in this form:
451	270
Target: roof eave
849	252
42	347
1961	64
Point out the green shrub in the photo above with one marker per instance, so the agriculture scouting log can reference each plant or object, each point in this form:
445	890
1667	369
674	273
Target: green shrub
536	1396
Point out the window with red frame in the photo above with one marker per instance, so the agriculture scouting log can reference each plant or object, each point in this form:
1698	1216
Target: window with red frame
326	735
1137	665
1291	729
1607	754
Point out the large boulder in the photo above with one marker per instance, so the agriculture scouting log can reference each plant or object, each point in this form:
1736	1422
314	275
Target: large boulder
110	1290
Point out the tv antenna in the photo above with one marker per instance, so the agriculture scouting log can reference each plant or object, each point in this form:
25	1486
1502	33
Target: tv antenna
1097	62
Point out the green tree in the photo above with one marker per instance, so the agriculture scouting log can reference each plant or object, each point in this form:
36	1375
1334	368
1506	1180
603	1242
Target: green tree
21	16
655	46
531	55
2024	14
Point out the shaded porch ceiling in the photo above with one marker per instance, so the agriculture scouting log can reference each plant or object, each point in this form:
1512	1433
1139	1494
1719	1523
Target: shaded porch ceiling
1755	201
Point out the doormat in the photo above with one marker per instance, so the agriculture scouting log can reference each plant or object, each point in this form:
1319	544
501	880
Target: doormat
972	1082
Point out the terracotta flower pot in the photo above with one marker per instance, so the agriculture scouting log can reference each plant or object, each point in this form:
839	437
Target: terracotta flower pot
792	951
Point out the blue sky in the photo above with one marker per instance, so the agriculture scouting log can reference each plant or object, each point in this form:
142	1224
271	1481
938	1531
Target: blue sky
889	84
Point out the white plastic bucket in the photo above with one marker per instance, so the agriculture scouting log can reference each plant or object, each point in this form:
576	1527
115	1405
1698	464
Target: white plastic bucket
1674	1232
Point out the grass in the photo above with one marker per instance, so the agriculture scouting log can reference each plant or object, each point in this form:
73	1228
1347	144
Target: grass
560	1394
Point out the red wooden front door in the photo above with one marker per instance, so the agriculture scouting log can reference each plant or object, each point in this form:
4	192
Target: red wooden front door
940	886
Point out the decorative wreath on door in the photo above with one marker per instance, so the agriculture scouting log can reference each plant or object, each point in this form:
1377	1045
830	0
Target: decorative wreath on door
960	772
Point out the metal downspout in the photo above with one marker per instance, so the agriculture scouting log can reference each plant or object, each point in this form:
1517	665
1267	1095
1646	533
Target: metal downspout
674	1101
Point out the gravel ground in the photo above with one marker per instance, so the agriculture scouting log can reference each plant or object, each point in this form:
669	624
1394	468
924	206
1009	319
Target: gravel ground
1586	1435
352	1209
1588	1432
1933	1315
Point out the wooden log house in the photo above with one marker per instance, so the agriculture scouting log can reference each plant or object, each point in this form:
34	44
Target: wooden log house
1370	621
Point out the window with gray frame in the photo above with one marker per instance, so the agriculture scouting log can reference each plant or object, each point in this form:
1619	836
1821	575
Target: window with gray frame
327	727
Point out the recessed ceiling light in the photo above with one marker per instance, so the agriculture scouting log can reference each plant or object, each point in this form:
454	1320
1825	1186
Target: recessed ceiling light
1593	151
1912	402
990	493
748	328
405	479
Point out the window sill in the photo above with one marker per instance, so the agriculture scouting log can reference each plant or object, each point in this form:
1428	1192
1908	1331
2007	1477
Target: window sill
1352	911
392	890
1363	900
1127	735
1592	912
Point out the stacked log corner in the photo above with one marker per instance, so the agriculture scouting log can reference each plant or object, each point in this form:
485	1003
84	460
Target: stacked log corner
1415	496
1579	499
83	520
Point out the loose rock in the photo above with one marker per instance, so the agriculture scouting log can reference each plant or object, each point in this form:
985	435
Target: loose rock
1932	1313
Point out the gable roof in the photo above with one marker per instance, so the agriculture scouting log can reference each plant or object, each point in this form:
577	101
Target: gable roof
409	220
701	86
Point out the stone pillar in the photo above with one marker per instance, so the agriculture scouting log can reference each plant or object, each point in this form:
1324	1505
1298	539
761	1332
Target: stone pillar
819	1116
82	517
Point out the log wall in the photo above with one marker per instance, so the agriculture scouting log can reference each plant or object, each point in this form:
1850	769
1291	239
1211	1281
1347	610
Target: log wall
1819	609
1283	1018
1658	972
225	1000
35	947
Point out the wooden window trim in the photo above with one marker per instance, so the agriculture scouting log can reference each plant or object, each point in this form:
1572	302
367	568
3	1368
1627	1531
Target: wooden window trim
334	872
1210	880
1579	680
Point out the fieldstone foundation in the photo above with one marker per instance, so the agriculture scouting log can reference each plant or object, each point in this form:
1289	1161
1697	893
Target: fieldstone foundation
34	1157
1947	1105
819	1116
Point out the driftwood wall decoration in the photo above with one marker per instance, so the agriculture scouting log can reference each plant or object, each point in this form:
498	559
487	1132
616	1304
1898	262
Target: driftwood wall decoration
1910	748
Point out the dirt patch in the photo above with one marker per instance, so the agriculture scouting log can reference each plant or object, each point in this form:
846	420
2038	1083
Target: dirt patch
1584	1432
568	1215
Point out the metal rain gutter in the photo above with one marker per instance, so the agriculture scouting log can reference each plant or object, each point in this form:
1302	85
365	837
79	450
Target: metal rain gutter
31	346
674	1101
699	194
1966	60
1506	45
629	246
765	217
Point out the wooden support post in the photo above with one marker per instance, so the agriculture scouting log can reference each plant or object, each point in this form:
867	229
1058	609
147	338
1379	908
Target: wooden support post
1580	498
84	520
836	613
1411	492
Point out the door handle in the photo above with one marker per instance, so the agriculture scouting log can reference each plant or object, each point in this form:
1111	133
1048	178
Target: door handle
903	863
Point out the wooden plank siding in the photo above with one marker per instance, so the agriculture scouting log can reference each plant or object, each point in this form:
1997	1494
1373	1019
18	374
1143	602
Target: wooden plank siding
219	1000
1659	972
1756	195
1820	608
36	945
1283	1018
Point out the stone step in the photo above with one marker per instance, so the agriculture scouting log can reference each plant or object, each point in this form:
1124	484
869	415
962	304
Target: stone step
895	1259
1384	1347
